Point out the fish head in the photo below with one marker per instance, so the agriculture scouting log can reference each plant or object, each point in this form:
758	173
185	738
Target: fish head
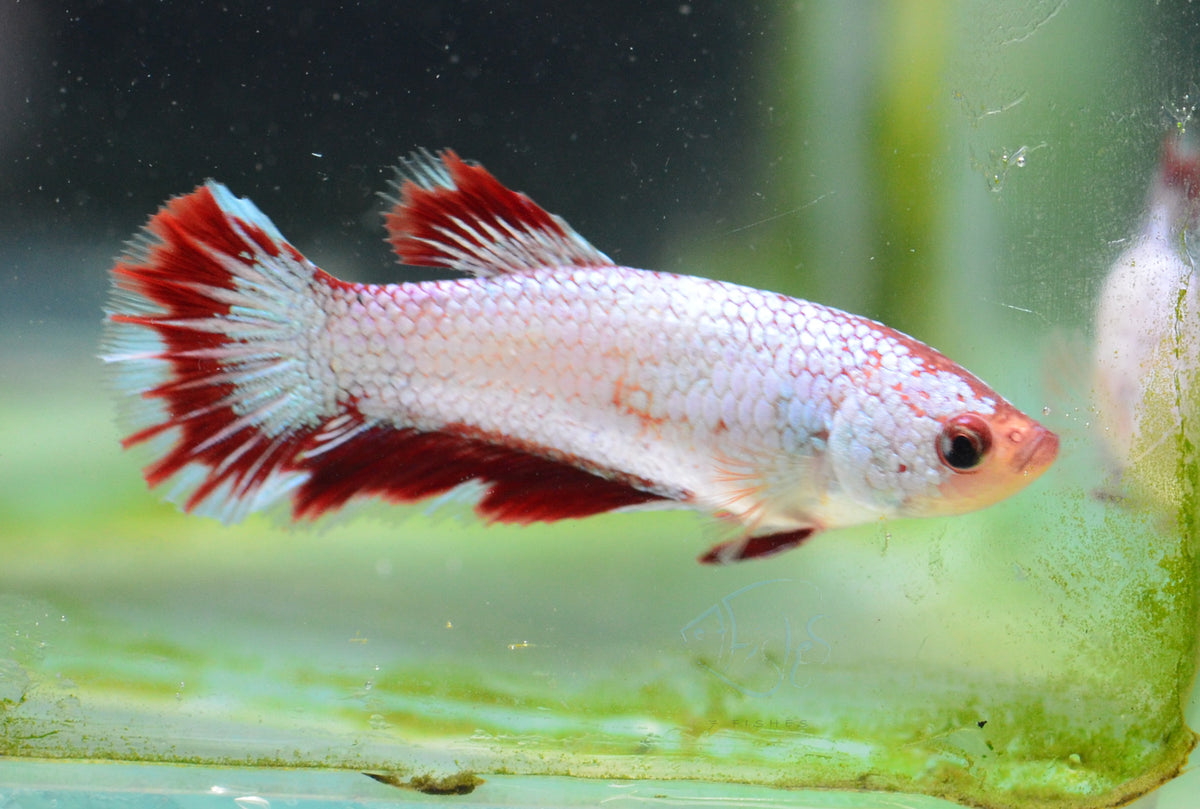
933	441
987	457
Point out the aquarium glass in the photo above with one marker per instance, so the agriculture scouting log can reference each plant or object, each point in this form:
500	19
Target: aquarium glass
967	173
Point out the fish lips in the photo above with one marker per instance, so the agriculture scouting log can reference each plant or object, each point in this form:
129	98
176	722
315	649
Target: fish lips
1037	453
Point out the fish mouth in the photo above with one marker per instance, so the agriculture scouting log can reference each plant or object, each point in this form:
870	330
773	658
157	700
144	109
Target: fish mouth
1036	454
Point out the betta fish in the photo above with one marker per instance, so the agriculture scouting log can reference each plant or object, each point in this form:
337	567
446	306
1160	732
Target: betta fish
556	382
1147	333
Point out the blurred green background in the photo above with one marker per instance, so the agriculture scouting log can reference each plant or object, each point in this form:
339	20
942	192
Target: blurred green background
962	171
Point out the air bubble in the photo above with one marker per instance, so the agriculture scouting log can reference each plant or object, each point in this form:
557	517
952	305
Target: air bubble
1005	160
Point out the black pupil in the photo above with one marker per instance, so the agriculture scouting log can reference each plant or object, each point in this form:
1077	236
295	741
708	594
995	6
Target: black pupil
964	452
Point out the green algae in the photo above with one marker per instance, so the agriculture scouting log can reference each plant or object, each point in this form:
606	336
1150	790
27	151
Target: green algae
273	644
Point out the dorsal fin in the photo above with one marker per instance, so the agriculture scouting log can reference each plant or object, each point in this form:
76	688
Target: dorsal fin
458	216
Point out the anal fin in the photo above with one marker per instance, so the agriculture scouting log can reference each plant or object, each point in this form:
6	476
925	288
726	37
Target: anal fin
406	466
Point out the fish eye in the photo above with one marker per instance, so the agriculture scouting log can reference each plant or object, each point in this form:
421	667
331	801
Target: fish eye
964	442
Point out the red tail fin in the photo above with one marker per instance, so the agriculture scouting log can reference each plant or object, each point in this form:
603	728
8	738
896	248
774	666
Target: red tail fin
211	319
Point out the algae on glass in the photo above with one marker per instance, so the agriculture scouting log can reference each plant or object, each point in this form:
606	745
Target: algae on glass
1040	653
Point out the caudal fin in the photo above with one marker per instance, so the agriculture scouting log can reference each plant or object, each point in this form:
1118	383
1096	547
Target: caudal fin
211	327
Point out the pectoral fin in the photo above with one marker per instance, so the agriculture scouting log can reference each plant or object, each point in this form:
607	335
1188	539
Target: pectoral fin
754	547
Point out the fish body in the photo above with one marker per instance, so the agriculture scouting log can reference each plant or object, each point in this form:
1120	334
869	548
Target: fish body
558	382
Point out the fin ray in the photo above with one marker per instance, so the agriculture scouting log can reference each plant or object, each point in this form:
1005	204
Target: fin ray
450	214
404	465
208	321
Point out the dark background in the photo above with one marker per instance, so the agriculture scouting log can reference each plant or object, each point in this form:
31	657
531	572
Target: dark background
658	129
630	118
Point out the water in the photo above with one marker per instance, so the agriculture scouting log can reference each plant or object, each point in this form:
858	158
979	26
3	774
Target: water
1039	653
